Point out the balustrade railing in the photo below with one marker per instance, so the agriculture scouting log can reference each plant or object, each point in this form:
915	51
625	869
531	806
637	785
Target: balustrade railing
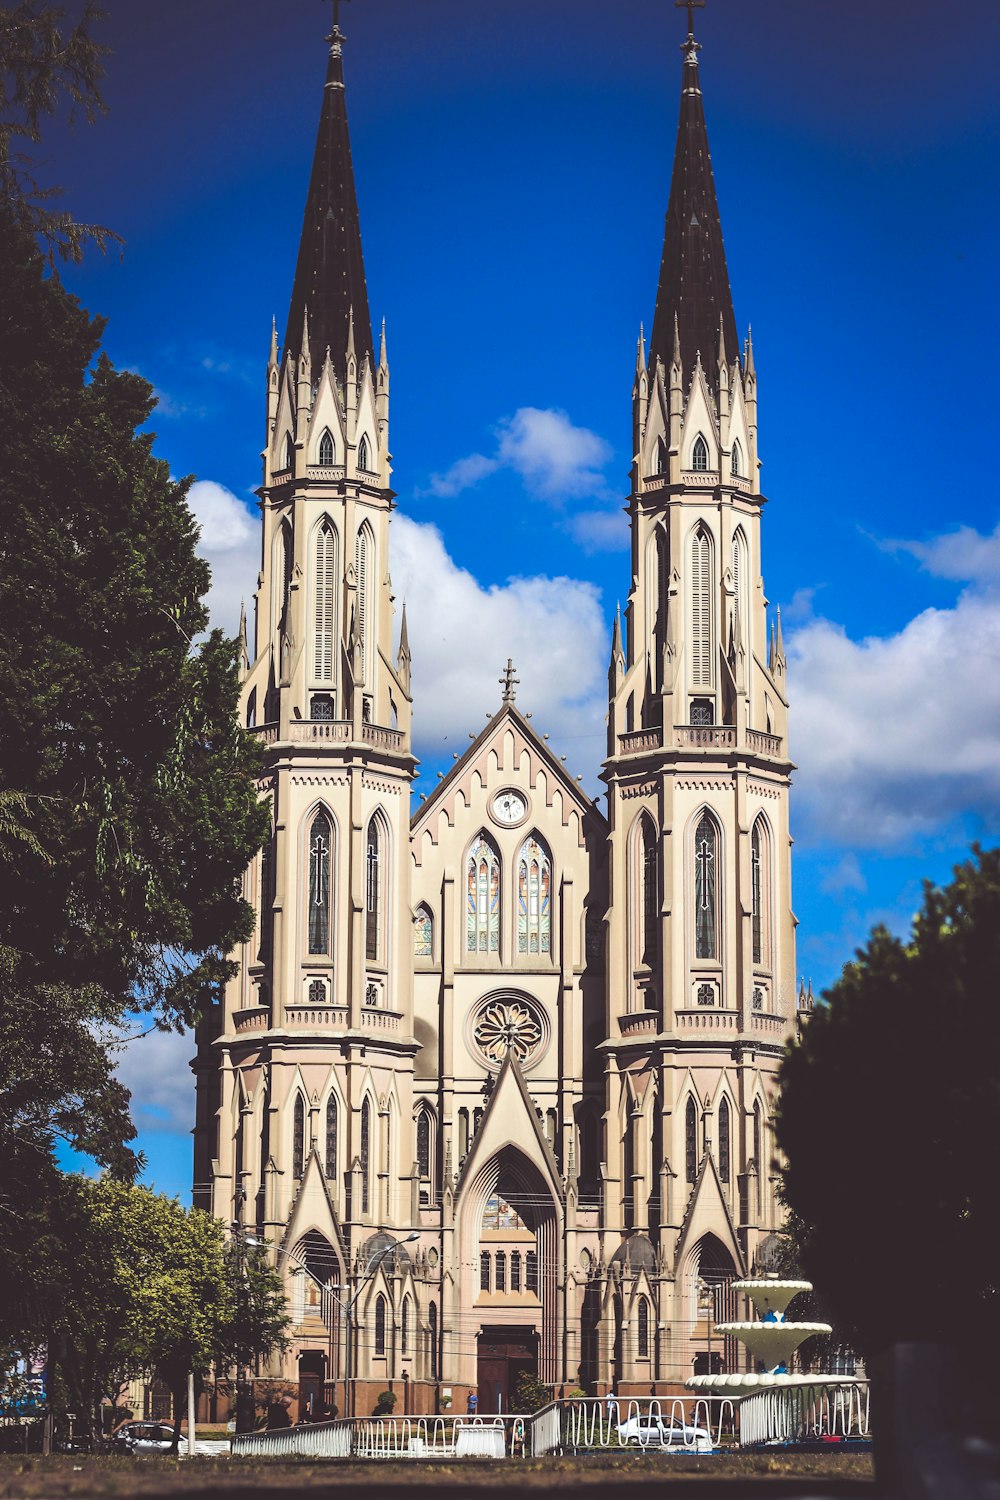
708	1019
802	1413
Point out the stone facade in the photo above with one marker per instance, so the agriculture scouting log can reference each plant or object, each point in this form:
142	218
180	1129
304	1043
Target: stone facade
496	1076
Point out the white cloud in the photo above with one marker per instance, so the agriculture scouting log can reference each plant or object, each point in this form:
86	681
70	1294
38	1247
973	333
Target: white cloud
461	634
964	555
896	736
230	543
555	459
600	530
154	1068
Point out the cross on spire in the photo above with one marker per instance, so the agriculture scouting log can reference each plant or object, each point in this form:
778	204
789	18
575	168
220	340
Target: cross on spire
336	11
689	5
509	682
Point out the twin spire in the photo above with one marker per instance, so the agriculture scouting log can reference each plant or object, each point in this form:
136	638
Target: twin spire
329	283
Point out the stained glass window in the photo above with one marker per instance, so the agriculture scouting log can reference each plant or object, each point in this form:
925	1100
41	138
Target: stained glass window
691	1141
373	904
643	1349
366	1131
705	889
424	1143
380	1324
724	1139
298	1136
483	898
534	898
432	1339
423	933
331	1138
326	447
404	1327
320	847
500	1271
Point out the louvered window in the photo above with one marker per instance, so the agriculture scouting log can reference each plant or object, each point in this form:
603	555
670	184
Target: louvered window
699	455
373	901
701	610
650	894
724	1167
331	1138
760	876
326	448
363	462
364	567
325	592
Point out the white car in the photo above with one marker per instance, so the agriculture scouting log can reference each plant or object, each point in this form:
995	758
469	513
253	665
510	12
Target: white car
664	1432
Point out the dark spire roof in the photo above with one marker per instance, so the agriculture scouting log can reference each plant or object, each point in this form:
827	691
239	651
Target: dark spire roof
694	282
330	274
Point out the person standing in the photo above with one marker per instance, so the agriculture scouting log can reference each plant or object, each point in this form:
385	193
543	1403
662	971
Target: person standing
472	1403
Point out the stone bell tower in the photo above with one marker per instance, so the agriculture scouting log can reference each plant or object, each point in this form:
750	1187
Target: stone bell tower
701	944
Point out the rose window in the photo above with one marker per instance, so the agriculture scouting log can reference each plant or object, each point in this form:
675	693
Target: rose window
508	1025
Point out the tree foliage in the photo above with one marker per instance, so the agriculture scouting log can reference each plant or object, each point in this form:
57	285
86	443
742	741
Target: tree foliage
889	1117
44	68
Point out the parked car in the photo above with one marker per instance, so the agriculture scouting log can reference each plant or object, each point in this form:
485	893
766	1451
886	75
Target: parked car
144	1437
665	1432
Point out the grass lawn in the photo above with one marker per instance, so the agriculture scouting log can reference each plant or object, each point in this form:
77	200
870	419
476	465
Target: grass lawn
641	1476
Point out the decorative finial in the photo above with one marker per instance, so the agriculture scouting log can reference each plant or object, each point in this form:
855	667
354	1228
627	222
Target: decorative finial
509	682
689	5
336	35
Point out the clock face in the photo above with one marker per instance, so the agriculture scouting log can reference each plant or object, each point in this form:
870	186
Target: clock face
509	807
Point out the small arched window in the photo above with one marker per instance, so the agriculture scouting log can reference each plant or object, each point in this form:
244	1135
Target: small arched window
531	1271
724	1139
736	461
534	889
266	898
483	898
691	1140
320	869
515	1270
380	1324
484	1271
706	892
326	447
699	455
298	1136
363	454
643	1329
324	598
404	1327
331	1139
660	460
375	893
423	934
365	1155
424	1143
432	1339
364	570
650	893
500	1271
760	891
289	452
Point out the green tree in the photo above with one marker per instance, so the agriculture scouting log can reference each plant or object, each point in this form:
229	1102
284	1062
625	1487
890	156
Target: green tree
43	70
889	1115
257	1323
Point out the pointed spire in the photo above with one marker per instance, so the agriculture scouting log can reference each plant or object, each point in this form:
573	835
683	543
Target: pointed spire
330	273
616	635
272	359
676	355
242	639
772	655
383	362
751	369
640	353
404	639
403	654
694	282
779	643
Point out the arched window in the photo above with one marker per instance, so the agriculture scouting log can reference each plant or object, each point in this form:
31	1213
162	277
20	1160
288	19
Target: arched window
380	1324
500	1271
661	457
266	899
534	891
736	461
515	1270
650	893
739	567
365	1155
706	889
432	1339
289	452
699	455
324	601
724	1139
281	575
691	1140
760	890
463	1134
320	871
298	1136
363	453
531	1271
404	1327
326	447
701	609
643	1330
423	934
424	1143
331	1139
364	569
484	1271
483	898
374	892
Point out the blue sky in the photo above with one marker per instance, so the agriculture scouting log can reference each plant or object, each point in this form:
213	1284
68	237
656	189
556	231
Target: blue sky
513	163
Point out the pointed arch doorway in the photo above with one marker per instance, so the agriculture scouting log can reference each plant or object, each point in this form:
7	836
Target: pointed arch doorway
503	1354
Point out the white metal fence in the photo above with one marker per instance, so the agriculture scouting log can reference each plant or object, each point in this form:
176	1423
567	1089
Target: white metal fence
385	1438
797	1414
657	1422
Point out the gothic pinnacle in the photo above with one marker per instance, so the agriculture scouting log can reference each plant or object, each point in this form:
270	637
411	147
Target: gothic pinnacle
509	683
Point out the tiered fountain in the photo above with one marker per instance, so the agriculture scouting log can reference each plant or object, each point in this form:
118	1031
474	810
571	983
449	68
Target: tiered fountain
772	1340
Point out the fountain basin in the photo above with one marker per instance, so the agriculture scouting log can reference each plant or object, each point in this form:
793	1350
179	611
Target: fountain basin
769	1293
773	1343
743	1384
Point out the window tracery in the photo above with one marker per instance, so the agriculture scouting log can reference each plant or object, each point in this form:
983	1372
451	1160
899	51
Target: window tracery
706	878
483	898
320	872
534	882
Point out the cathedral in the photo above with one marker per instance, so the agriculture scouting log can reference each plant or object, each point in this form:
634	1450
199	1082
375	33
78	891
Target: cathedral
496	1077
